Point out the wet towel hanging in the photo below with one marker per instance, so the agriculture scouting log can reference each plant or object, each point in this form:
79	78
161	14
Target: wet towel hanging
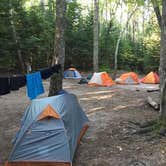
34	85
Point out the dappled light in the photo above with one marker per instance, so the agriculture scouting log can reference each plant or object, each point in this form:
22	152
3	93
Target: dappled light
93	110
100	92
71	66
101	97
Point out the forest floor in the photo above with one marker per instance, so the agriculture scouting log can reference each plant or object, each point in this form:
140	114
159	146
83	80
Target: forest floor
113	113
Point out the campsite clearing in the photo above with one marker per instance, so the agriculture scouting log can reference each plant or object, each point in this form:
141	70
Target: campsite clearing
113	112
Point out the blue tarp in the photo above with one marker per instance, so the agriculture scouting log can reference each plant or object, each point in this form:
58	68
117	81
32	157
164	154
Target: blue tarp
49	139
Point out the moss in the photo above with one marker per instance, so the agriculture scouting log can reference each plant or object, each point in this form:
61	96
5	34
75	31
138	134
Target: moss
159	126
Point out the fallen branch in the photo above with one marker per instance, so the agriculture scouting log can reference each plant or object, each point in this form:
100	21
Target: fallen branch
153	103
152	90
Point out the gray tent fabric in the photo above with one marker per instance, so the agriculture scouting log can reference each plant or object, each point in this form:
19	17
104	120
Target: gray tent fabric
72	74
129	80
49	139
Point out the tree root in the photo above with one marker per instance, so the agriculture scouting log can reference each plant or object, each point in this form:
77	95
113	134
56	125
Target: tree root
144	130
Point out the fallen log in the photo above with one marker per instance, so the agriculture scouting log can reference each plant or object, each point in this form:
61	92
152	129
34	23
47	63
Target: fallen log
153	103
152	90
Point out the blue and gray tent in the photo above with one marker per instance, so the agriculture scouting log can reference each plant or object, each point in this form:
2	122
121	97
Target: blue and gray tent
72	73
50	130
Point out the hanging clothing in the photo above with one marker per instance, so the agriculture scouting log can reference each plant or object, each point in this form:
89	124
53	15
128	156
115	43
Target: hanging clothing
34	85
17	81
47	72
4	85
56	68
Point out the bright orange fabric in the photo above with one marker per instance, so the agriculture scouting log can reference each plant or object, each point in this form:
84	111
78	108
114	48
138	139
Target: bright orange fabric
106	80
132	75
151	78
48	112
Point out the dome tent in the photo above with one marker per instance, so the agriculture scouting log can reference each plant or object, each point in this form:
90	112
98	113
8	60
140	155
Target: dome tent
128	79
50	130
101	79
72	73
150	78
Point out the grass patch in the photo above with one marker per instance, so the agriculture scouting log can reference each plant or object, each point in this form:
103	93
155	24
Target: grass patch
159	126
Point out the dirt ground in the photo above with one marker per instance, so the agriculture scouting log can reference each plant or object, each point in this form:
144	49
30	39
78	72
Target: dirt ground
111	110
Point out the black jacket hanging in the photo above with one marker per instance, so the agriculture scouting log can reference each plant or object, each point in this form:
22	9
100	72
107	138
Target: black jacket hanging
4	85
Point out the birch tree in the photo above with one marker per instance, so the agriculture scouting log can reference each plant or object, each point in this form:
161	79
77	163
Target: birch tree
96	36
119	39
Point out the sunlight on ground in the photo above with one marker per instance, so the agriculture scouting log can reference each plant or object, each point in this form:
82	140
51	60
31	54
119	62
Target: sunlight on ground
97	97
119	107
99	92
95	110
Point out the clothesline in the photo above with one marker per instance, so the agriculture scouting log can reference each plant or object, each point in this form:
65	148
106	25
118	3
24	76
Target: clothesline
15	82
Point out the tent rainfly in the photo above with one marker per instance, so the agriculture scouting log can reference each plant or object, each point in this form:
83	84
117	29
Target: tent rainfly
128	79
72	73
151	78
50	130
101	79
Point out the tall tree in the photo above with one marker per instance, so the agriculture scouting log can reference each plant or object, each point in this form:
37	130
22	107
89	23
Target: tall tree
162	69
16	39
157	11
96	36
59	47
42	4
163	62
119	38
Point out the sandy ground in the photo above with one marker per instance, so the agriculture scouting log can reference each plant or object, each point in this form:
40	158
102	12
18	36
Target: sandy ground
111	110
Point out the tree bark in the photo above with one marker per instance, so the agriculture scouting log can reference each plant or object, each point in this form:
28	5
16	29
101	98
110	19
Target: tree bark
96	36
163	62
59	47
157	11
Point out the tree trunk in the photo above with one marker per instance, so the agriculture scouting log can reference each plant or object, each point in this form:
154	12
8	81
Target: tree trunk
157	11
109	25
96	36
118	42
42	4
15	37
59	47
163	62
117	46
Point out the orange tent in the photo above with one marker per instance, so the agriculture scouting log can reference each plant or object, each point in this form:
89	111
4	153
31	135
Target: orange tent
151	78
128	78
101	79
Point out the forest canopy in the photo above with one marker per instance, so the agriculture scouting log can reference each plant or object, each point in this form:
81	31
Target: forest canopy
27	30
